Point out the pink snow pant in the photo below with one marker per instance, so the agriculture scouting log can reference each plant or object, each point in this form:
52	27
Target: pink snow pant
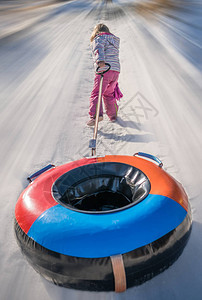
110	80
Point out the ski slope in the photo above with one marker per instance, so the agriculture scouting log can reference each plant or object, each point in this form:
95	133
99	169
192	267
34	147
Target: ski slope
46	76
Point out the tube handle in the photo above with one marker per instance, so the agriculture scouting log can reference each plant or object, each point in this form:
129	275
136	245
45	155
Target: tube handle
156	159
36	174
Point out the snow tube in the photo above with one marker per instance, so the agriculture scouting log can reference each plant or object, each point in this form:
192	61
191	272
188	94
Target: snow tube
75	221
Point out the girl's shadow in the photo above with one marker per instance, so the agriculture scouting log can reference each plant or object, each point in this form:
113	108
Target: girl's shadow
128	136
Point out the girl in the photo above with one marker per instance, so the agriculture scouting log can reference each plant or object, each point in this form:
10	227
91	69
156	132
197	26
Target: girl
105	49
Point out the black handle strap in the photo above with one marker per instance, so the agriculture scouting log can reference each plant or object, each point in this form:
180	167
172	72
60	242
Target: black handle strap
101	73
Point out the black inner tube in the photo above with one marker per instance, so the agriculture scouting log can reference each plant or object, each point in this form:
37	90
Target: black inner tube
101	187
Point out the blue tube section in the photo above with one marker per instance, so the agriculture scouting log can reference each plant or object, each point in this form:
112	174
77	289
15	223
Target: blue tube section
92	236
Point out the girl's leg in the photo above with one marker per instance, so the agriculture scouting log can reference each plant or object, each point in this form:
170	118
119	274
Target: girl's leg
94	98
109	82
110	102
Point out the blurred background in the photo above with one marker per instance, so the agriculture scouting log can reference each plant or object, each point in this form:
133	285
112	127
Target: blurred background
46	77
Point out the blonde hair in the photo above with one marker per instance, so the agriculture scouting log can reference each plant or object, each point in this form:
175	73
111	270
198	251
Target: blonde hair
98	29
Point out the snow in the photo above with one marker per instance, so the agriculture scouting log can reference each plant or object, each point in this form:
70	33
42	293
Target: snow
46	77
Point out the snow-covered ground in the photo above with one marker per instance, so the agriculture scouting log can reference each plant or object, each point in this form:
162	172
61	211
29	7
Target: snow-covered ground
46	76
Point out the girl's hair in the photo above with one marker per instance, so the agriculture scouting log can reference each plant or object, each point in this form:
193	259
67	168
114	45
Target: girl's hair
97	29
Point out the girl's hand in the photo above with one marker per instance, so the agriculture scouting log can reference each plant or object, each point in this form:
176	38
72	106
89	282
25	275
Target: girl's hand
101	64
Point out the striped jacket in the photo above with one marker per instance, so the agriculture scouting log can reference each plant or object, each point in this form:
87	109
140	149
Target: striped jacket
105	47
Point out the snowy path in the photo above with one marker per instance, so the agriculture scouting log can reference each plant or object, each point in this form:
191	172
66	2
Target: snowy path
46	77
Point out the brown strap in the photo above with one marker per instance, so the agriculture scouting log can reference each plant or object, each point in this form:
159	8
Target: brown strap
119	273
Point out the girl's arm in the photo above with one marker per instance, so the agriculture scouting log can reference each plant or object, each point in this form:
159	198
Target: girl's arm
98	49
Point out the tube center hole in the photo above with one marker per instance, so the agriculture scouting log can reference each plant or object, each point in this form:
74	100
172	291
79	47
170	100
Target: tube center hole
102	201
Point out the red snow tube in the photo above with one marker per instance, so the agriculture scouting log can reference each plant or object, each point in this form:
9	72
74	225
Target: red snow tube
75	221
